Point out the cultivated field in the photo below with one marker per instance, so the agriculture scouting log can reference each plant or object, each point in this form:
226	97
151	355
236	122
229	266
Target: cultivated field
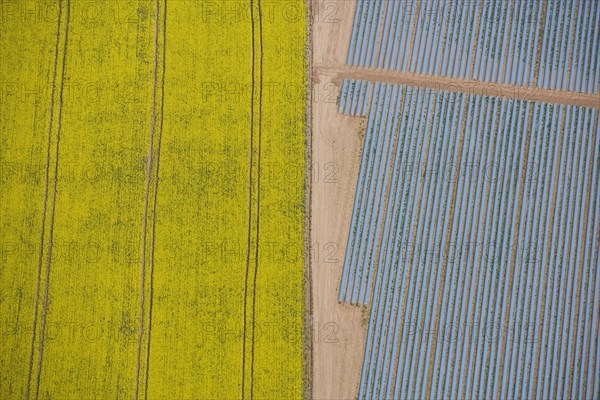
466	210
152	199
483	40
456	272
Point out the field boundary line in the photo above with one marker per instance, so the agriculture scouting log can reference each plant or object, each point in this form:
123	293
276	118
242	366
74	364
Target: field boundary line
146	201
155	196
250	156
53	206
251	150
260	83
45	206
308	173
250	187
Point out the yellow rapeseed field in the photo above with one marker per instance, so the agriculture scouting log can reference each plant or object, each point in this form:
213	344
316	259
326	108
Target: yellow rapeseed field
152	199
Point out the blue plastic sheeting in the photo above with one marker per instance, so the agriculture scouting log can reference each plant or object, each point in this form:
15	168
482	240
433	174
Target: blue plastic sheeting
496	41
474	239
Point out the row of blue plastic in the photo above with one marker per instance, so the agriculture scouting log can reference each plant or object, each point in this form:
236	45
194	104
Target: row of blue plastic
354	97
484	40
374	171
476	225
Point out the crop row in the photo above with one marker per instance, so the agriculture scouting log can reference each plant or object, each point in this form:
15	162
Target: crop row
370	191
523	43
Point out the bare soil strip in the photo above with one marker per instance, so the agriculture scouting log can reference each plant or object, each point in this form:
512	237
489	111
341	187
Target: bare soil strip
460	85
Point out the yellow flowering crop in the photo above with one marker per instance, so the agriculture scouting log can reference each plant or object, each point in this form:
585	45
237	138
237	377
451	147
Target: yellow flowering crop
152	199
